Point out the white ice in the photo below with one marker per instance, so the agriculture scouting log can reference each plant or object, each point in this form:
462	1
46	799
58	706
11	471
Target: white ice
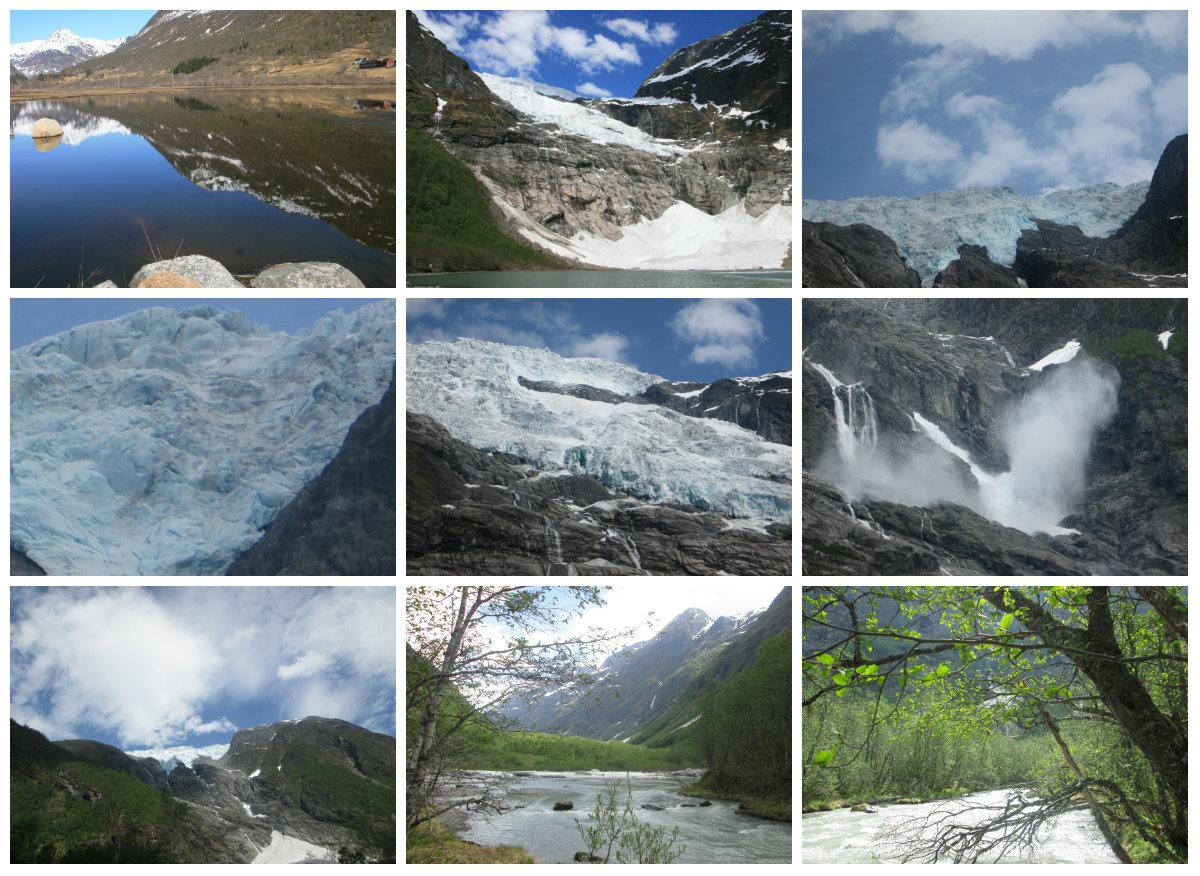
161	443
684	238
929	229
471	388
288	850
1165	338
1058	357
184	754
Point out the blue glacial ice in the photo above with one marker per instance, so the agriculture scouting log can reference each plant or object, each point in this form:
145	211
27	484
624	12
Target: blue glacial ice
929	229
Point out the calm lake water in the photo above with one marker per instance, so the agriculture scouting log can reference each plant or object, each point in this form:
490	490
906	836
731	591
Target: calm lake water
713	834
615	279
250	178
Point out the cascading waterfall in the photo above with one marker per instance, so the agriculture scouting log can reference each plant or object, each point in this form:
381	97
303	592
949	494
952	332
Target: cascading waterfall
630	546
554	549
857	426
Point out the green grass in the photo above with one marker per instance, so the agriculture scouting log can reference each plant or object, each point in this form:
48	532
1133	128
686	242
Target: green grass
524	750
432	843
450	225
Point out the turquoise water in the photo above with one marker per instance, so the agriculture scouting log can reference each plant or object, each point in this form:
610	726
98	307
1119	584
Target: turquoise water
607	279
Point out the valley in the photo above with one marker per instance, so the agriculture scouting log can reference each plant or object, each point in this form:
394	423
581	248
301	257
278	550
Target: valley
702	739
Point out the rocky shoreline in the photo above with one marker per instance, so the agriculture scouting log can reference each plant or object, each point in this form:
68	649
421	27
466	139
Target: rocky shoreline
202	272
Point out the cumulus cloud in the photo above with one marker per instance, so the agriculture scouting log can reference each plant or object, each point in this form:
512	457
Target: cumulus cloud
917	149
1009	35
659	33
512	42
922	80
605	345
422	308
592	90
449	27
721	331
161	665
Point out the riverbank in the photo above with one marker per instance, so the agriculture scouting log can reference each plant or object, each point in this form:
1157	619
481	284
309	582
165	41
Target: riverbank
766	808
876	800
434	842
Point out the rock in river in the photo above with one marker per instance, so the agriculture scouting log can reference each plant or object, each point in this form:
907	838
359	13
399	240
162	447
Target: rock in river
307	275
46	128
209	273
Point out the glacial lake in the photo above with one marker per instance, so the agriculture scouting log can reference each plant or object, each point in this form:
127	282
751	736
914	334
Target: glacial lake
249	177
609	279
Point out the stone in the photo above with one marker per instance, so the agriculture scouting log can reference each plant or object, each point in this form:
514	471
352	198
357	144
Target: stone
107	284
863	807
973	269
852	256
563	806
167	280
46	128
586	858
654	807
207	273
306	275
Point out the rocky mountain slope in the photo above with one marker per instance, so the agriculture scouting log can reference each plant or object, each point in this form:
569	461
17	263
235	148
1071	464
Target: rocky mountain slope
343	522
654	688
317	780
1004	436
247	44
1099	236
61	50
596	180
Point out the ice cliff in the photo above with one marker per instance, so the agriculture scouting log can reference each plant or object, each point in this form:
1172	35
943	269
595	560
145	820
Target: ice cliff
162	442
929	229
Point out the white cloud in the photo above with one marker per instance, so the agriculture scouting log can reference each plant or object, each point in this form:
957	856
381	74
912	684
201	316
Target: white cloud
1170	105
1008	35
1166	29
920	151
721	331
514	40
658	33
592	90
449	27
154	667
605	345
922	80
421	308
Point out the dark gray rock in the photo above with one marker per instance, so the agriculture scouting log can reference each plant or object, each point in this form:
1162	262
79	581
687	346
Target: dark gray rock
973	269
836	256
563	806
343	522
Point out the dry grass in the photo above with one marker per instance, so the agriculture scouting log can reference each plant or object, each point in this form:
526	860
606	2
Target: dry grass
432	843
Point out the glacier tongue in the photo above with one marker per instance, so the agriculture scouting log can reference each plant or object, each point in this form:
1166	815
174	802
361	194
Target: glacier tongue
160	443
471	387
930	228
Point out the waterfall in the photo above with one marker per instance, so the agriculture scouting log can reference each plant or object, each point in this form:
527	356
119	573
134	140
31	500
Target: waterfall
626	541
857	425
554	552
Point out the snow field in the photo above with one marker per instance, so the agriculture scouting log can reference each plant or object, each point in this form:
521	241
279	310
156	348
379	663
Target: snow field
289	850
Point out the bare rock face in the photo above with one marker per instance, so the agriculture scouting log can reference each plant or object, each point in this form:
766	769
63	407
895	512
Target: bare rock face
344	521
836	256
470	513
973	269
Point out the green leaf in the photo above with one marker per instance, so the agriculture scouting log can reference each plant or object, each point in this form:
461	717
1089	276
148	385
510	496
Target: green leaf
867	670
842	678
822	758
841	691
943	669
827	659
1006	620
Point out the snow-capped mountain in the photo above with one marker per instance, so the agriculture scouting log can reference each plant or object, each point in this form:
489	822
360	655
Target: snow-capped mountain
163	442
77	126
655	681
695	180
63	49
490	395
929	229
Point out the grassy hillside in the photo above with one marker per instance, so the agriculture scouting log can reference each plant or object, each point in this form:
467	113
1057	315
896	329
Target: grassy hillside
450	224
65	810
250	45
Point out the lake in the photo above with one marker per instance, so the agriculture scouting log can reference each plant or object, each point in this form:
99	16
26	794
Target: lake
608	279
249	177
714	834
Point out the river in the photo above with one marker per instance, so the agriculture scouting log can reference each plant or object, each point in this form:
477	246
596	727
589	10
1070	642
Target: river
845	837
607	279
713	834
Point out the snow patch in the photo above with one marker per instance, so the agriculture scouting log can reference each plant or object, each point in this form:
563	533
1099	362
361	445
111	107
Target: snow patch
289	850
1058	357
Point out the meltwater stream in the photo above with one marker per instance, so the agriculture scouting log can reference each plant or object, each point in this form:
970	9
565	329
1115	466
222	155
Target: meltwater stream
713	834
845	837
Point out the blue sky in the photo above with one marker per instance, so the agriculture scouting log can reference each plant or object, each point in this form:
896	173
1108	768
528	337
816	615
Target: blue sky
903	103
596	54
32	319
144	667
26	27
675	338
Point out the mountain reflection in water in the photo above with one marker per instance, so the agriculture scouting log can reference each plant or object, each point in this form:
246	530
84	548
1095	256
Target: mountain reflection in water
251	177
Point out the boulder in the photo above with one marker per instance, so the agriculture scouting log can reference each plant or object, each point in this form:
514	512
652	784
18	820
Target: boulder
168	280
706	803
563	806
653	806
107	284
208	273
306	275
46	128
586	858
863	807
45	144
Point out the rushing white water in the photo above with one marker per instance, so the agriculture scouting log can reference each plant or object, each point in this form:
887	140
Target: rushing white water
845	837
714	834
857	427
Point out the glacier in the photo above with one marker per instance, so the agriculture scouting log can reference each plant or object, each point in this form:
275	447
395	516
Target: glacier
174	755
163	442
471	387
929	229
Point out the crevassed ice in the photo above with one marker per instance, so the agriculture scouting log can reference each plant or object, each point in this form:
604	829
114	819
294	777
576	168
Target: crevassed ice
162	442
929	229
471	388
